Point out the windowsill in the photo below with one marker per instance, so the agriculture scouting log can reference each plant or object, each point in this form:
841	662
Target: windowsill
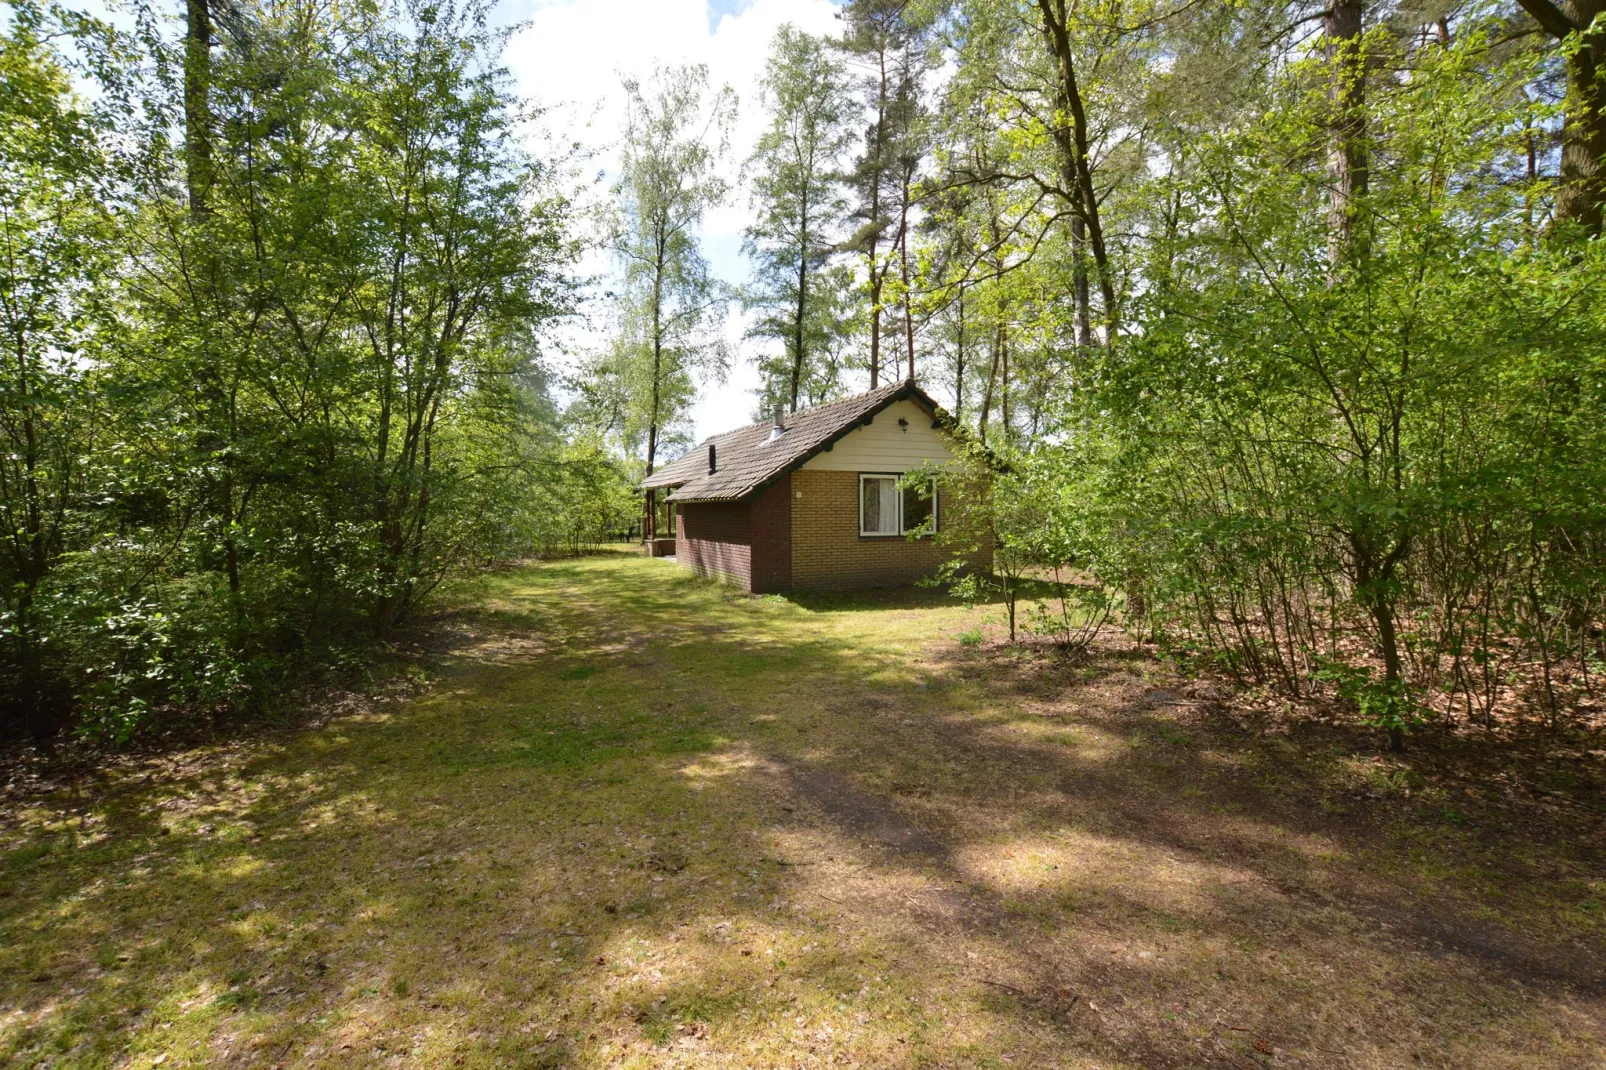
891	538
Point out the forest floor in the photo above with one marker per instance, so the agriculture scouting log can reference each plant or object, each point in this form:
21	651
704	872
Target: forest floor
637	820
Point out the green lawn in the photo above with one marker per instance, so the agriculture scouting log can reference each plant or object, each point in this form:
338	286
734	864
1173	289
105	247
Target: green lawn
637	820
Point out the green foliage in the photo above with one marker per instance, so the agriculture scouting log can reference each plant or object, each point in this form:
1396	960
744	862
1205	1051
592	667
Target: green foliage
887	44
1331	391
1388	704
1268	346
1039	552
54	251
671	308
1403	443
254	423
801	300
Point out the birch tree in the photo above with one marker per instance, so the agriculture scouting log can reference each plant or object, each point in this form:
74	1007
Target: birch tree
671	307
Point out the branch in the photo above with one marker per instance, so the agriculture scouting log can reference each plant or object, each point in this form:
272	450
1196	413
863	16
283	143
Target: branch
1552	18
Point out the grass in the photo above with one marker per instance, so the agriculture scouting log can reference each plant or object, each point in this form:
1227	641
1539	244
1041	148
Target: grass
641	821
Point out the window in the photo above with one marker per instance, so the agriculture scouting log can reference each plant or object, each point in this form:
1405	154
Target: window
885	509
917	509
879	506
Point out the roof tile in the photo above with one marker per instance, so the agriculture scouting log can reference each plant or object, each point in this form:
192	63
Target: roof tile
749	458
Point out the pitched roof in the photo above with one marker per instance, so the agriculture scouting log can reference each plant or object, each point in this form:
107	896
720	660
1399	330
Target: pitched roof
749	459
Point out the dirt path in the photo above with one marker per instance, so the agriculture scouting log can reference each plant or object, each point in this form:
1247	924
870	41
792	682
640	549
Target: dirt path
635	821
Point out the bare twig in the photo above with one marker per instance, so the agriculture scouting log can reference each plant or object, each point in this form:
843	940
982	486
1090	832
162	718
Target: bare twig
1007	988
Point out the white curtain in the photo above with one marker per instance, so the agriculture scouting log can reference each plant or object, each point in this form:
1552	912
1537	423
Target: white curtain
881	506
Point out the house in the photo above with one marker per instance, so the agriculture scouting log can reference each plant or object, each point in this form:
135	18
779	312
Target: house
811	500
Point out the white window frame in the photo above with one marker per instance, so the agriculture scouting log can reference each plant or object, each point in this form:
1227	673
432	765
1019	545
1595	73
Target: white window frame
936	515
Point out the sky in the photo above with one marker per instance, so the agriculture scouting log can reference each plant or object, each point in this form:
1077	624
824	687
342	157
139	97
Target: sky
570	56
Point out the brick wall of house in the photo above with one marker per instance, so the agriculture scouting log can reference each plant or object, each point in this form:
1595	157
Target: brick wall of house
771	526
715	538
829	554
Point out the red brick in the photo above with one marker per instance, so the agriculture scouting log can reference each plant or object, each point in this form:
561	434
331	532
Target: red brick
715	538
802	533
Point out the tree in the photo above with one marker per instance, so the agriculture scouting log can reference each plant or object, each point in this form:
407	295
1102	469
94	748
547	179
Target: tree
799	209
1346	153
833	334
1293	451
1577	25
54	256
670	308
263	393
466	248
886	41
197	103
1073	138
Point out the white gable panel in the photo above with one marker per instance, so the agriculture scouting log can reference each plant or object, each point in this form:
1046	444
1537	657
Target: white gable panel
883	446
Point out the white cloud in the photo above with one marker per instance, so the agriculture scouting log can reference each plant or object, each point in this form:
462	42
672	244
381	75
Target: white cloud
570	57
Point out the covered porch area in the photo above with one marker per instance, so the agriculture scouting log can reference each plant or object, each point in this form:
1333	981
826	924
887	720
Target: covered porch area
658	522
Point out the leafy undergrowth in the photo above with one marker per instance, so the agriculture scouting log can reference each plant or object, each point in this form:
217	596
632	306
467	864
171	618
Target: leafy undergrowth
641	821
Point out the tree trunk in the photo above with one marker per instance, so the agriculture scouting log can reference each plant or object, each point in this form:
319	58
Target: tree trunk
1389	646
877	171
903	267
799	315
1375	573
1010	595
959	364
40	705
199	174
1074	150
1531	144
1003	384
657	348
652	424
41	702
1583	179
992	377
197	103
875	321
1079	283
1346	150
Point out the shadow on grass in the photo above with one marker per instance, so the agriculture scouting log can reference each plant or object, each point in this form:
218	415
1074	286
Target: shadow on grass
873	598
641	816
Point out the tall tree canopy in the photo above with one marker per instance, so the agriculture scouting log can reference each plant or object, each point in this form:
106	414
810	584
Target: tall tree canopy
671	308
798	215
886	42
274	298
